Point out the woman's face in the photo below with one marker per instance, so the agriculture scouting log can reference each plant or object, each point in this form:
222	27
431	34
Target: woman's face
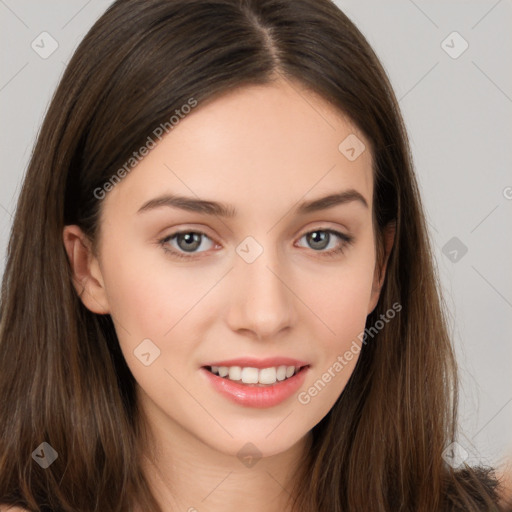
268	282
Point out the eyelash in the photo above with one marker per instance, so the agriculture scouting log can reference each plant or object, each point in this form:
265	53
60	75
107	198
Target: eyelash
346	241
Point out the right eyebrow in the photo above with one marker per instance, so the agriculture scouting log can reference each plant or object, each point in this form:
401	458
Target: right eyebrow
190	204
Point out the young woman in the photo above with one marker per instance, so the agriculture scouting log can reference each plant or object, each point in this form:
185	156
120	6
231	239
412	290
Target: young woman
219	291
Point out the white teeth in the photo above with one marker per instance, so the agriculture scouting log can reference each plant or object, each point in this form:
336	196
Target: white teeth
223	371
281	373
267	376
235	373
249	375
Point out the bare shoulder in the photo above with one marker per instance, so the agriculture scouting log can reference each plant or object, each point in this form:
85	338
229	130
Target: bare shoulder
10	508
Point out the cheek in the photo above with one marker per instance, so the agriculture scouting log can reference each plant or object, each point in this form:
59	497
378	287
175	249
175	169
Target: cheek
342	308
155	302
340	295
139	293
153	298
340	301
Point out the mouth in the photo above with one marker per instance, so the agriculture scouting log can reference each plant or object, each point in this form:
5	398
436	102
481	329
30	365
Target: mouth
249	386
256	377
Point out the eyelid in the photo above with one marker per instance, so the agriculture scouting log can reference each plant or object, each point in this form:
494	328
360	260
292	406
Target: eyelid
345	240
187	229
183	255
341	232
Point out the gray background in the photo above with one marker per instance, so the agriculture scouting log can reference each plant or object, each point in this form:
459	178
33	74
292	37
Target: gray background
458	114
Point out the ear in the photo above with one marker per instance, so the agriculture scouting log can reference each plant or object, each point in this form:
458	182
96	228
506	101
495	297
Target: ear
85	269
380	273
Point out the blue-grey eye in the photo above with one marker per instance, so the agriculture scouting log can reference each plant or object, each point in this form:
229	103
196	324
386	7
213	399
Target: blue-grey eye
187	241
319	239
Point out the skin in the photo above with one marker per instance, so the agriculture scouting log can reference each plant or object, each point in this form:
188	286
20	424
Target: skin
260	149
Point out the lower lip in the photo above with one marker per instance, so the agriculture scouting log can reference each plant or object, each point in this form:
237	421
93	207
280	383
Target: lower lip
257	396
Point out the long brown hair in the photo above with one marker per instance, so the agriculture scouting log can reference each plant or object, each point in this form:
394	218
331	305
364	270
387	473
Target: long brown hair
63	379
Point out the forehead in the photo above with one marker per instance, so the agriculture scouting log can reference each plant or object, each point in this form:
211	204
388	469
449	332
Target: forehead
263	145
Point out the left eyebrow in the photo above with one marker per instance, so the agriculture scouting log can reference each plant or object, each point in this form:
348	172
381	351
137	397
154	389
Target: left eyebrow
323	203
228	211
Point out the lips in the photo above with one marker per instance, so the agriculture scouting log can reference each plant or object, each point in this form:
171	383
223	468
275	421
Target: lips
252	394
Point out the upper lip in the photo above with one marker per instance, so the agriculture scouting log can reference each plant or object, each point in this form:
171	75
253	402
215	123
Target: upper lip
252	362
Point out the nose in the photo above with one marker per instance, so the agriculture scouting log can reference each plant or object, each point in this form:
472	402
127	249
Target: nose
261	298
